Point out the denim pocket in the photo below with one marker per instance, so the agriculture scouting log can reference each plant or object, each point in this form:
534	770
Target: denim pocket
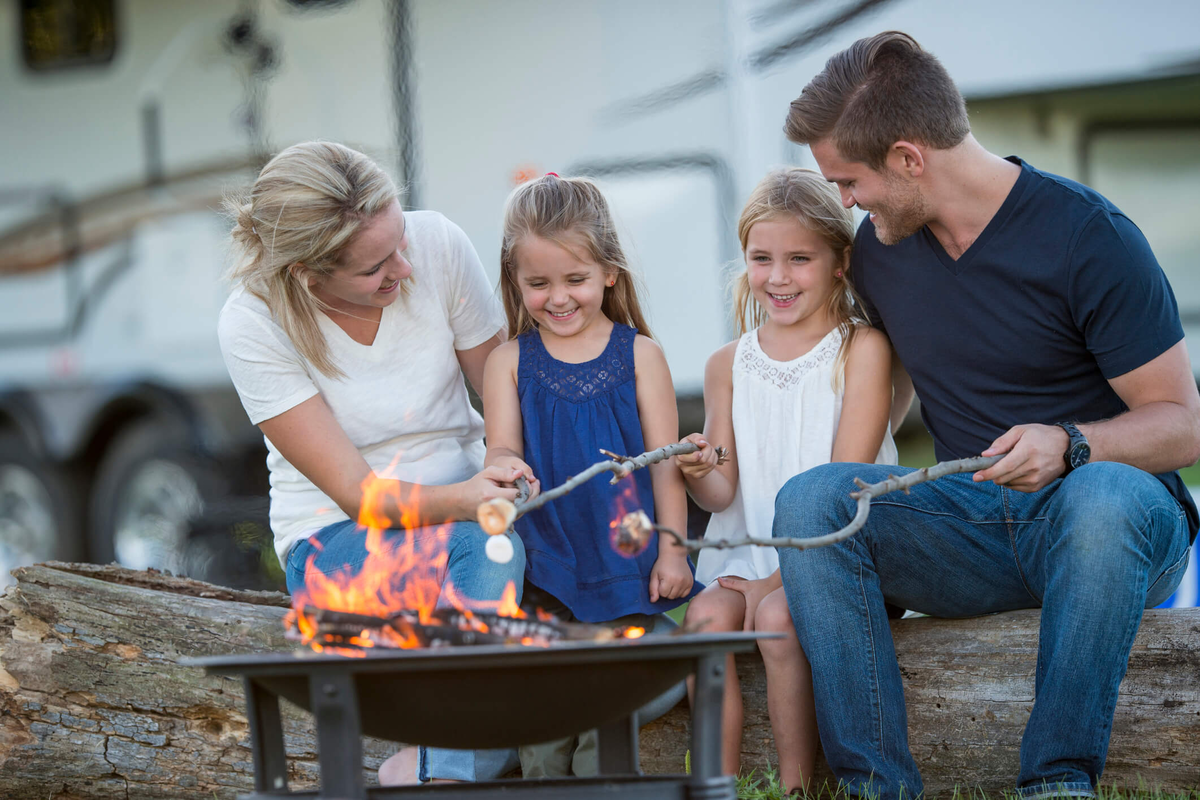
1168	582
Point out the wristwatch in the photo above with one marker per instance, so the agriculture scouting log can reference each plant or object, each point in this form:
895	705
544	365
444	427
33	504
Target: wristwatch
1079	452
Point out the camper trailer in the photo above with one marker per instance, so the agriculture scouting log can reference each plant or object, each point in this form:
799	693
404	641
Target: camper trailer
126	121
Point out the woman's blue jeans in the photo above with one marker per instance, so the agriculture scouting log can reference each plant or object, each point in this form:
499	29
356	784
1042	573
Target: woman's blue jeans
1092	550
342	547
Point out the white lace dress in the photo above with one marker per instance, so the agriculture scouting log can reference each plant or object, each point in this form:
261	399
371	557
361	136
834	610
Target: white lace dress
785	416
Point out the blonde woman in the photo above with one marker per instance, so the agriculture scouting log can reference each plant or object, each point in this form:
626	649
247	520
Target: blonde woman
347	335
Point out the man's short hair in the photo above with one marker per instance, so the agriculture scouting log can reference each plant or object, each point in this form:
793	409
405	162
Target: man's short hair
880	90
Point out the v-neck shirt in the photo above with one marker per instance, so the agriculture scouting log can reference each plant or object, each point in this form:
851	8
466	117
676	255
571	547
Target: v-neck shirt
1059	294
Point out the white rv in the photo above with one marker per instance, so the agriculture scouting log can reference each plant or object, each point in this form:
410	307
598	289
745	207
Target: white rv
124	121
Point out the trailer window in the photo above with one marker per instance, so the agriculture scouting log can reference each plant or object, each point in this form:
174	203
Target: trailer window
62	34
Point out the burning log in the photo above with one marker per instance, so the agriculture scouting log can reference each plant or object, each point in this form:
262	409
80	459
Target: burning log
322	628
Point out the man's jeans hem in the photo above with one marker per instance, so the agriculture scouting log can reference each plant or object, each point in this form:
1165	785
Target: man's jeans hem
1061	789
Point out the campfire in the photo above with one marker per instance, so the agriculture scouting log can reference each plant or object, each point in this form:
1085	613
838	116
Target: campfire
393	601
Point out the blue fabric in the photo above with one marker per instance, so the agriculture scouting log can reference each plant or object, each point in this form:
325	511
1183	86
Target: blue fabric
569	412
1059	294
1092	550
341	548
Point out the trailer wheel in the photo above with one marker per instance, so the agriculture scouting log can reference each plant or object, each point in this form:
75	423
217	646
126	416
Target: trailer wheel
39	510
149	487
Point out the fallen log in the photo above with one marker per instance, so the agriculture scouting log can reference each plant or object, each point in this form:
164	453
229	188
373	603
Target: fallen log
95	704
968	687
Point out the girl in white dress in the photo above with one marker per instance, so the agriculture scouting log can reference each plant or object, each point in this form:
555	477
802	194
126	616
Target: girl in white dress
806	383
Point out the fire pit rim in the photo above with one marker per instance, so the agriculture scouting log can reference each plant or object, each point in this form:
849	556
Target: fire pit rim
650	648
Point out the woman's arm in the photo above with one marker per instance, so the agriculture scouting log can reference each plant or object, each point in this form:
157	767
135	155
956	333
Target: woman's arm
713	486
867	402
472	361
309	437
903	392
659	416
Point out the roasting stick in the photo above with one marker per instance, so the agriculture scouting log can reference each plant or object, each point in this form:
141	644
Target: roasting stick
496	516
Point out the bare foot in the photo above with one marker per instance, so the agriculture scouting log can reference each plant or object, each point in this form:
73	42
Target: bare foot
399	769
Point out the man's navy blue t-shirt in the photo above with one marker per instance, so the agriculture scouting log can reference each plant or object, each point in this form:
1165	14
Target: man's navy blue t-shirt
1059	294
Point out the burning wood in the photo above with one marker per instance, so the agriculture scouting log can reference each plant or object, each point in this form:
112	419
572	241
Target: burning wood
322	629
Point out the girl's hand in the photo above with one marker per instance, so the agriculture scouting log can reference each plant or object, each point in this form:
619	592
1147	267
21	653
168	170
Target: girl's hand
696	465
670	578
754	591
512	462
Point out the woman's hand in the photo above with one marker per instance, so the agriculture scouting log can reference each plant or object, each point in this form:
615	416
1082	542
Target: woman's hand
512	462
670	578
695	466
487	484
754	591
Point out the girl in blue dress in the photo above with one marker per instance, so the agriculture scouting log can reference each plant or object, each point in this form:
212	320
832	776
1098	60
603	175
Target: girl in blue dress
580	373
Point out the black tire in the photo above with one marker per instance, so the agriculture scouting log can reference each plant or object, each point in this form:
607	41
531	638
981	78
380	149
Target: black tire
150	486
40	509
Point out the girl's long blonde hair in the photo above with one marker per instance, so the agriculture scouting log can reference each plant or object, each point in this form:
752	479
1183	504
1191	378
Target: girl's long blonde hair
568	212
803	195
306	206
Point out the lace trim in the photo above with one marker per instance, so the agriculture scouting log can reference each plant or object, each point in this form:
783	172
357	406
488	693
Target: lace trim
751	360
579	382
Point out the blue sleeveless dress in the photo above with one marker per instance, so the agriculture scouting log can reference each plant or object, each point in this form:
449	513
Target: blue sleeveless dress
569	412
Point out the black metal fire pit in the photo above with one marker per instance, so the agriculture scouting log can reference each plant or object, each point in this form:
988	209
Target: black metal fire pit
484	697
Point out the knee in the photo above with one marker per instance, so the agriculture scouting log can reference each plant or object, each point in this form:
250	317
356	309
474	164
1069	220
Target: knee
773	615
1108	511
706	612
469	546
815	499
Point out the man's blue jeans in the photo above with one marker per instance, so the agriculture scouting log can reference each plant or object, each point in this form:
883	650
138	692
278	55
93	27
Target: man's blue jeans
341	547
1092	550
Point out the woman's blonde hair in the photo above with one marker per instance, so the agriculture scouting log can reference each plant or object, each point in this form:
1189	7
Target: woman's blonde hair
294	224
568	212
805	196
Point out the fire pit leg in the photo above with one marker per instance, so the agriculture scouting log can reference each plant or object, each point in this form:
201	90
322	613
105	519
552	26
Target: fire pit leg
706	780
339	736
266	739
619	747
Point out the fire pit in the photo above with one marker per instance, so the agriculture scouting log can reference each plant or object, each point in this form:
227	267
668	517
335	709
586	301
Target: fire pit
488	696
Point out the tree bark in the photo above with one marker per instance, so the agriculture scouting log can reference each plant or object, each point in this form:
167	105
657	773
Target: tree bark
968	688
95	705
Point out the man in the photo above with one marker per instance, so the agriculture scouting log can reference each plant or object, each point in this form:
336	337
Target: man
1034	322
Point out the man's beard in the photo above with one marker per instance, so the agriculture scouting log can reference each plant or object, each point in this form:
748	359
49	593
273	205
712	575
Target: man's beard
903	213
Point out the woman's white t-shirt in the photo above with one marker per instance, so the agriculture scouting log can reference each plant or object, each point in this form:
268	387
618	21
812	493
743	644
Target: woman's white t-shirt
402	402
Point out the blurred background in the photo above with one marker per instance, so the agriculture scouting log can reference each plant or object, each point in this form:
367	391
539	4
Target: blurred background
123	122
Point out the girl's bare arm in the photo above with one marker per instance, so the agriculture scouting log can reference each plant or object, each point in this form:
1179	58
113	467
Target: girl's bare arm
713	486
867	402
660	427
472	361
502	422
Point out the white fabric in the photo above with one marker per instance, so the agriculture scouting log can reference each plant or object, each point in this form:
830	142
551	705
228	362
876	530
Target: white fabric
403	402
785	417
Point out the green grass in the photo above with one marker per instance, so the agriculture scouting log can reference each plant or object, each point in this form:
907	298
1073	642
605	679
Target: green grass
766	785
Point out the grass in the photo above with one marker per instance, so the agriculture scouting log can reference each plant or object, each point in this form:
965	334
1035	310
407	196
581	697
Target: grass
765	785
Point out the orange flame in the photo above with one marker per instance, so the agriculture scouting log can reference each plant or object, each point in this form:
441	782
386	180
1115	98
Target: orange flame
634	632
399	573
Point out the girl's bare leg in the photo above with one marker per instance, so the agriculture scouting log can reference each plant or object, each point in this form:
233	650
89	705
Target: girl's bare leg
789	692
714	610
400	768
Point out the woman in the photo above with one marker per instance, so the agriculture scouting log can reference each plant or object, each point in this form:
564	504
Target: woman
345	334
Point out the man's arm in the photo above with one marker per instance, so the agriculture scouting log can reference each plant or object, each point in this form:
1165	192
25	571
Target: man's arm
1159	433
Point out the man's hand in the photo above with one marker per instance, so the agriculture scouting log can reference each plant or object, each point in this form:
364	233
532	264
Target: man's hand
1035	458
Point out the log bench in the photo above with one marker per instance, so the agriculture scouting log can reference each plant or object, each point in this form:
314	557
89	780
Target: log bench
94	704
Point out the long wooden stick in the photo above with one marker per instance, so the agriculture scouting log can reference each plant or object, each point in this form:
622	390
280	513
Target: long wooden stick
866	493
497	516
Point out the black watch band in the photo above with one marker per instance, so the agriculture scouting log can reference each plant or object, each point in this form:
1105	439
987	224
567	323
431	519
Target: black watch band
1079	452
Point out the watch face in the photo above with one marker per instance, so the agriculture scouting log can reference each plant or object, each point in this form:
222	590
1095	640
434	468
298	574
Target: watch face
1080	454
